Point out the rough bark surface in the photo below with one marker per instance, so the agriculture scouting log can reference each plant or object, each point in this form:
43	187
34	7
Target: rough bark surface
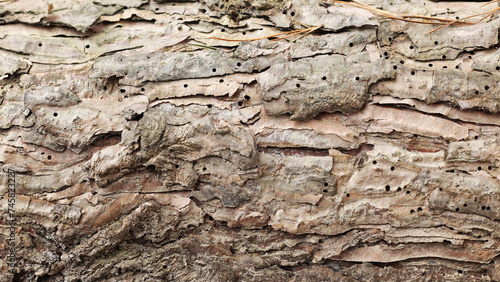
367	150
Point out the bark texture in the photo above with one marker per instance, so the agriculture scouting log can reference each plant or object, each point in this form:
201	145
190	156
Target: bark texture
145	150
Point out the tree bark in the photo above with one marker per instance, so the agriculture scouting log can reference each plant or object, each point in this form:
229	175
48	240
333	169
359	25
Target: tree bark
136	145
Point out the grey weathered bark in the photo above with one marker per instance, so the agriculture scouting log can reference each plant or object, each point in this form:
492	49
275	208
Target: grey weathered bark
138	148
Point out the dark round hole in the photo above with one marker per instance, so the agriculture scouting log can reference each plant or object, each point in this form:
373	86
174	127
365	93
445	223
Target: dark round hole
477	92
411	47
240	103
476	137
156	9
204	169
298	85
209	106
203	11
386	54
431	65
49	157
486	87
490	167
105	88
87	46
390	38
351	44
292	14
483	208
39	44
244	33
479	168
238	64
324	78
402	62
357	77
440	189
419	209
348	195
221	81
247	97
185	85
143	89
374	162
176	166
457	67
325	191
412	72
460	271
399	189
54	114
210	218
387	188
457	17
465	205
457	209
43	153
320	241
497	68
445	67
223	30
488	208
412	211
214	70
436	43
325	184
444	57
284	12
393	168
395	67
122	90
408	192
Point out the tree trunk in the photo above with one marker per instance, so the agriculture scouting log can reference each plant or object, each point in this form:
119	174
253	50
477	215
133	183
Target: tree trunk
136	145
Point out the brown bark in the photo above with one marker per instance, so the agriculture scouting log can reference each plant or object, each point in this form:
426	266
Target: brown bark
138	148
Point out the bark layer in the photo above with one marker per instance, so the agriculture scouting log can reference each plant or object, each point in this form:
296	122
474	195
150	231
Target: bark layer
142	149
